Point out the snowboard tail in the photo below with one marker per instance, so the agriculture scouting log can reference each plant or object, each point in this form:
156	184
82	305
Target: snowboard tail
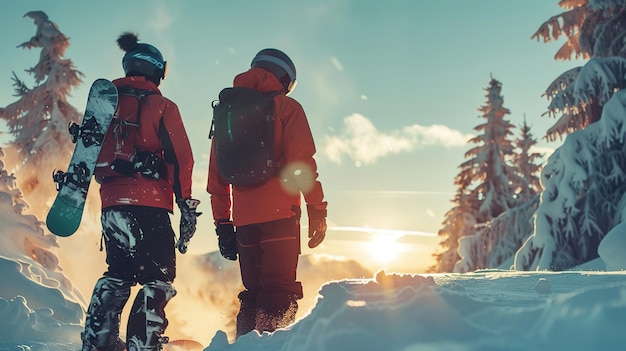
64	218
66	212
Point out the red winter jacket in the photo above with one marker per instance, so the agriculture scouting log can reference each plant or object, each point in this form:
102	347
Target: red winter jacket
161	131
293	149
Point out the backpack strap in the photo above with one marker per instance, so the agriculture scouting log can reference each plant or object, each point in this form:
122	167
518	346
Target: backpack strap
138	94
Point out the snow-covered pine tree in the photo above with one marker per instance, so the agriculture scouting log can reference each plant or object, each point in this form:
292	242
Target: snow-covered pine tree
38	120
584	179
8	188
459	222
527	165
487	166
486	183
496	242
26	248
584	194
33	242
593	29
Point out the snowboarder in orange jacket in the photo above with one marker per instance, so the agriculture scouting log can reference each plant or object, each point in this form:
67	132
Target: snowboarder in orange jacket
267	216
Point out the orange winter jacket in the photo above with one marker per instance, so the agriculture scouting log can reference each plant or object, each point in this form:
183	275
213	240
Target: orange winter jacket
161	132
293	150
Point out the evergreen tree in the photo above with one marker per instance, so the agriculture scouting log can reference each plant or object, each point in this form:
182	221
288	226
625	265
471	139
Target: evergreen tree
487	167
526	164
496	243
8	188
38	120
593	29
27	245
485	184
459	222
584	179
584	194
33	243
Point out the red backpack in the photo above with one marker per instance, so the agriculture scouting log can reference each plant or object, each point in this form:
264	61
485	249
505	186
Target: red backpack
118	156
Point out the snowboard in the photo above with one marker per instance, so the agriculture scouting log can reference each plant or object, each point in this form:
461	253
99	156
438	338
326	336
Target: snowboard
67	210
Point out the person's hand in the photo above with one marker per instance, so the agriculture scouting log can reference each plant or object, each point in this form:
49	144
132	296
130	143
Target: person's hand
188	221
226	239
317	223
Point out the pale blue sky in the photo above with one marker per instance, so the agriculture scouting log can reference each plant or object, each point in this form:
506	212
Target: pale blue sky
391	69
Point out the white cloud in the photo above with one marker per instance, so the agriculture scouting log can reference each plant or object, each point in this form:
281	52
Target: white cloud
364	144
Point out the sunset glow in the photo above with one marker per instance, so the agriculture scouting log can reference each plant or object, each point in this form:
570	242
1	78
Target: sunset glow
384	248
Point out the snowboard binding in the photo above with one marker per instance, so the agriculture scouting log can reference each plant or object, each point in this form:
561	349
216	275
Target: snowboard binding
90	132
80	177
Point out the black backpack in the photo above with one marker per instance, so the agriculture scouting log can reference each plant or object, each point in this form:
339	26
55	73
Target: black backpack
243	136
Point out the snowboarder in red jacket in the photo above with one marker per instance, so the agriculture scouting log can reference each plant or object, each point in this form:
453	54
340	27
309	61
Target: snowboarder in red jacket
144	165
267	216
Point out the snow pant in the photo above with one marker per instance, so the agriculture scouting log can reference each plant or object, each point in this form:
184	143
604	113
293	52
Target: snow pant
268	260
139	249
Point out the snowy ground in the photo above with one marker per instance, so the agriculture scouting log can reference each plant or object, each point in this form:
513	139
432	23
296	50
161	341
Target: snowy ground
484	310
487	310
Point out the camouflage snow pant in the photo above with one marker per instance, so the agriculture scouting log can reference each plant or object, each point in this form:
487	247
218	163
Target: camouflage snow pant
139	249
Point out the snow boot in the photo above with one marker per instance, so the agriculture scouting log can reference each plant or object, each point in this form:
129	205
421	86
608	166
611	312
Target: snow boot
102	322
147	321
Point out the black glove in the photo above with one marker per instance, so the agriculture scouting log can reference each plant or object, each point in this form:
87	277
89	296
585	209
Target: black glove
317	224
226	239
188	222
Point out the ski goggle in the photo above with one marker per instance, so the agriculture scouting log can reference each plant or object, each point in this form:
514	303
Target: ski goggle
291	87
164	69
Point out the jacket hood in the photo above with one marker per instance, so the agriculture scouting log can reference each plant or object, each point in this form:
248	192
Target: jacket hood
258	79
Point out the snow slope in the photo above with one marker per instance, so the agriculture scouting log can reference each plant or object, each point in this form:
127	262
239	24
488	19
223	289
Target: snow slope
483	310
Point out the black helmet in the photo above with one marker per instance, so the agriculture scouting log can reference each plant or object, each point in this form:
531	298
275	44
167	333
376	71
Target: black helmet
141	59
279	64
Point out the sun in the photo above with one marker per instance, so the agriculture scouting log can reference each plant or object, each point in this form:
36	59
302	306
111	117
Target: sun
384	248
